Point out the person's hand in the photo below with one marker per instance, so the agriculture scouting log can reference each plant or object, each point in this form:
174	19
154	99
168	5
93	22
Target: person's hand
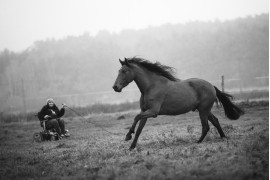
53	112
64	105
47	117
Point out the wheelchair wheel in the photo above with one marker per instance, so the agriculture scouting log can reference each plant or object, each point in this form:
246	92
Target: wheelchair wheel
53	138
37	137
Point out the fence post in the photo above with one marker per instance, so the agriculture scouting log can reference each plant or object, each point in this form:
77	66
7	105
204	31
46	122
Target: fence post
222	83
23	97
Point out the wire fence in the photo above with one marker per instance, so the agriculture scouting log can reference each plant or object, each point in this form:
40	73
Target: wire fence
259	89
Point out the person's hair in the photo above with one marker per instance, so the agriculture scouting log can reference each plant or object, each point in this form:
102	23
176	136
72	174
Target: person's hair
50	100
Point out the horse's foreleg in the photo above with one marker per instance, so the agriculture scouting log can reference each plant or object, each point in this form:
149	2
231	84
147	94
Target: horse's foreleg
132	129
143	117
138	132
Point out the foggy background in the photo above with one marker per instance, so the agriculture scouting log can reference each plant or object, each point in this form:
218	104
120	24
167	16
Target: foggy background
69	50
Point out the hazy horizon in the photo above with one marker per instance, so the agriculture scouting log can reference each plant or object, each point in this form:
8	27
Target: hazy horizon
24	22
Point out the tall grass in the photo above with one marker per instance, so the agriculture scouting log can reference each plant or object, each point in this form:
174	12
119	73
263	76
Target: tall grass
95	108
103	108
249	95
18	117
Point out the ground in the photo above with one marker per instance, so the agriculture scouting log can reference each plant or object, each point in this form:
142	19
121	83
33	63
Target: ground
166	149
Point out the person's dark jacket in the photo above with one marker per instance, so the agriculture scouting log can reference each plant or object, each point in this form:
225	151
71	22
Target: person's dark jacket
47	110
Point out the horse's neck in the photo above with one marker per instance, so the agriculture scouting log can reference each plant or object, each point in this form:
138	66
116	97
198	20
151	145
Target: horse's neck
146	80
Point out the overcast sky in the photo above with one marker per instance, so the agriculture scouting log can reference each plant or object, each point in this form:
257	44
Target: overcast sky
25	21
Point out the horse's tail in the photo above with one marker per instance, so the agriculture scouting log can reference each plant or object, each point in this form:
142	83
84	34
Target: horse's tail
231	110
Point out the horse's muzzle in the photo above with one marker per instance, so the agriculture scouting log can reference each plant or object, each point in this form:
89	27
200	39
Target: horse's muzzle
116	88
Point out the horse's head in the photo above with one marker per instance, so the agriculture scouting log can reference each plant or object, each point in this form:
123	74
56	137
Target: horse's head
125	76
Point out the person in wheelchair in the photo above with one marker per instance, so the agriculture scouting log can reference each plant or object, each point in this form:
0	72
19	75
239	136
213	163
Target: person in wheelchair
52	115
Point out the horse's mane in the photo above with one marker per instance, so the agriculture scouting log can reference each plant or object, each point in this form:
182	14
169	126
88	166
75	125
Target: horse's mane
165	71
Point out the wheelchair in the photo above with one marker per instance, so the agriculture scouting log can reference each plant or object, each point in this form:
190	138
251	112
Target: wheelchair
46	135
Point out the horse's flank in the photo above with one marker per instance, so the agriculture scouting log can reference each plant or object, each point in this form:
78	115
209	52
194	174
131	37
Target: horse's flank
186	95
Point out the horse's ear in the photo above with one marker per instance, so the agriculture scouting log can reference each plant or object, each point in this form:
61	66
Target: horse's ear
121	62
126	62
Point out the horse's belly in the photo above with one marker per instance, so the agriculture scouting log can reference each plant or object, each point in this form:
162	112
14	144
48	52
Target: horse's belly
178	104
167	111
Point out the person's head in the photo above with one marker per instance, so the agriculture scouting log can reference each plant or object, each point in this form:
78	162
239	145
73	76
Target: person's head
50	102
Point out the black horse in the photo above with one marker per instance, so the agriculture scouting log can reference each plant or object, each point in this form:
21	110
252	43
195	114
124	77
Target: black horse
164	94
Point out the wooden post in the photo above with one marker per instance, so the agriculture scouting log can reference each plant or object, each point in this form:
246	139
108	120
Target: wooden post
23	99
222	83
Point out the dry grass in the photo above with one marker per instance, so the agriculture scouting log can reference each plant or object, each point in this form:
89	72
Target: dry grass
167	149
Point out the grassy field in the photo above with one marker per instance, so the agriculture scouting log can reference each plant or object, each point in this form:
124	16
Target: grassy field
166	149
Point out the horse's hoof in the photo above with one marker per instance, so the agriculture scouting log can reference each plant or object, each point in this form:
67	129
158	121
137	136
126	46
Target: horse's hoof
128	137
225	138
132	147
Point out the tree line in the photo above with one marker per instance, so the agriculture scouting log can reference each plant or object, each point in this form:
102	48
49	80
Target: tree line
236	48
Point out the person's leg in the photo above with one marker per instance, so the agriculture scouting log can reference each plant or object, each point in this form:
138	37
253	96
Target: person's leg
61	125
53	124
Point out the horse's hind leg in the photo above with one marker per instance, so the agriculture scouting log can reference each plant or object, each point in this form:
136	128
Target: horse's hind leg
215	122
205	127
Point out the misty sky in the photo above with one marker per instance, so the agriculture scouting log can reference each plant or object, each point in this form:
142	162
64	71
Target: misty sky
25	21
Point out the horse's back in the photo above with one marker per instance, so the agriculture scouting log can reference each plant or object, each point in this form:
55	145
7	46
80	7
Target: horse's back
200	85
203	89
